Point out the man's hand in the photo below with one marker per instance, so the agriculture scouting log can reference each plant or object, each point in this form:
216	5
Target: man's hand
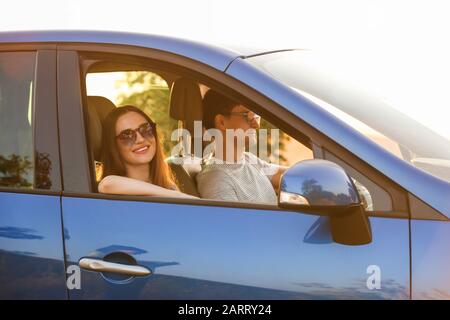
275	180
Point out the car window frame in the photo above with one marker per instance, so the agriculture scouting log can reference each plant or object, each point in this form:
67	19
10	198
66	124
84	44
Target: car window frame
282	118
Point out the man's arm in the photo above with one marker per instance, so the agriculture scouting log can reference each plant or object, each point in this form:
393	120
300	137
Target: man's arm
275	179
272	171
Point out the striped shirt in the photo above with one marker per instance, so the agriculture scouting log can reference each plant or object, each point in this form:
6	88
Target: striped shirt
247	181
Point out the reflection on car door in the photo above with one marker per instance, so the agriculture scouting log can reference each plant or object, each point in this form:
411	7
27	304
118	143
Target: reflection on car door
211	252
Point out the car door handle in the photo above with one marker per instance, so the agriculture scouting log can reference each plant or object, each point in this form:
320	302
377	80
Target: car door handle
105	266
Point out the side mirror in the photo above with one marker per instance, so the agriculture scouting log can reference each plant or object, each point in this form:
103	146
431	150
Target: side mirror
324	188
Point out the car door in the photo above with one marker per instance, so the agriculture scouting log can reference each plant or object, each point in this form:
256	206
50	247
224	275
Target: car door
199	249
31	243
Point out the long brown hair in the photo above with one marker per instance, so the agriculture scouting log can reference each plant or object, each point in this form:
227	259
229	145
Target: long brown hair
160	173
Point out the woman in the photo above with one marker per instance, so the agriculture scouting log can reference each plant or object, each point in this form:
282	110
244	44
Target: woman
133	161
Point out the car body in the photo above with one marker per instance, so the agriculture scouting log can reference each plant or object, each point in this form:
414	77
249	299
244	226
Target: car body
199	249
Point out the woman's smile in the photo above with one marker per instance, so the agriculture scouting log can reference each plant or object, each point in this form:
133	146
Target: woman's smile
141	149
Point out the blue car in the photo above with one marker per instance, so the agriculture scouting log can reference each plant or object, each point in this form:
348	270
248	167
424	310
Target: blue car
62	239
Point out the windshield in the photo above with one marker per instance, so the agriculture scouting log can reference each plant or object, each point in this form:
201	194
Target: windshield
386	101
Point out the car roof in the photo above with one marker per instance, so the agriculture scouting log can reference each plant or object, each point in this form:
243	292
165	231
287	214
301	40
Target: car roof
216	56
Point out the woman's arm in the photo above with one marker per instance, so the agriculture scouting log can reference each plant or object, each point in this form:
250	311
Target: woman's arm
123	185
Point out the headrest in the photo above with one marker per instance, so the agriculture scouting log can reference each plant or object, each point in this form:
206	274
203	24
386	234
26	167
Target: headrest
186	100
186	105
98	109
102	105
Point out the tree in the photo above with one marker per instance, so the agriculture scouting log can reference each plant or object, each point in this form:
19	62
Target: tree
15	171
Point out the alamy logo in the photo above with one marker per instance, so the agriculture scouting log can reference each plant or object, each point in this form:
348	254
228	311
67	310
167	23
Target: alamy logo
74	277
374	279
224	145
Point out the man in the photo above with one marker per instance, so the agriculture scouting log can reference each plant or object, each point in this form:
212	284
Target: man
233	174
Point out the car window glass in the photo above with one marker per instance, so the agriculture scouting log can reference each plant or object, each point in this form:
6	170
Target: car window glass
374	197
17	71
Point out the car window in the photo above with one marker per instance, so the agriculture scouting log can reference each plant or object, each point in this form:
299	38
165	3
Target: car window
17	72
150	91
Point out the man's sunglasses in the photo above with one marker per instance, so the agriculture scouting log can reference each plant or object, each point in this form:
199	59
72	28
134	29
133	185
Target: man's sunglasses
245	115
129	136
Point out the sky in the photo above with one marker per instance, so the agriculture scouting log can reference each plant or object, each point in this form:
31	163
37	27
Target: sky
408	37
300	23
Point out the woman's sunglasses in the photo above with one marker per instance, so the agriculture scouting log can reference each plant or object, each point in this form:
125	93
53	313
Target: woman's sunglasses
129	136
